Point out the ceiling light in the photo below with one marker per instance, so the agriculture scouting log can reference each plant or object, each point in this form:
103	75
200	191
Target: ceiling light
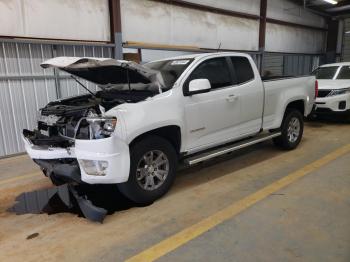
333	2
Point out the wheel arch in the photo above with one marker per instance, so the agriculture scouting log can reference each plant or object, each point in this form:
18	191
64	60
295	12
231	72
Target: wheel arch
296	104
171	133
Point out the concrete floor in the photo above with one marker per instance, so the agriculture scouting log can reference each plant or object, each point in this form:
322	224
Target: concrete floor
306	221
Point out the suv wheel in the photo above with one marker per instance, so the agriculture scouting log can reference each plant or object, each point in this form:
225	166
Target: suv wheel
153	164
292	129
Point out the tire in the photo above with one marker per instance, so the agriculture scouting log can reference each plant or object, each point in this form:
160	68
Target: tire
292	129
151	158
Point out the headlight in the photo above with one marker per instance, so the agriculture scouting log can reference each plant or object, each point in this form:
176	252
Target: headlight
339	92
101	127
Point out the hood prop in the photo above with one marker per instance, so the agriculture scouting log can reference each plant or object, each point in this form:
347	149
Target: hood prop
87	89
128	78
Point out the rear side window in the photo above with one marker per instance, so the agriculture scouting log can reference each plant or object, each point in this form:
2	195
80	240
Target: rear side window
243	69
216	70
344	73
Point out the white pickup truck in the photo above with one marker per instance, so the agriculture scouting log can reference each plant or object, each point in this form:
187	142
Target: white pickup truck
146	119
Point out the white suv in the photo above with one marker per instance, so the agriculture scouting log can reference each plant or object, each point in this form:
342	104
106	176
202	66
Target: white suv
334	89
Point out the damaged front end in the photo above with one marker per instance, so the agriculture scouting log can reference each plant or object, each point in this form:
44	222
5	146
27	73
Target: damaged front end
60	124
79	140
75	140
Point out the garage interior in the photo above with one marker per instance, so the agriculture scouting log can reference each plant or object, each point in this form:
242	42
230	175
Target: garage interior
256	204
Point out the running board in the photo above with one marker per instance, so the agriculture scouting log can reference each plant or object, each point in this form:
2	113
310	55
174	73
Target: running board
230	148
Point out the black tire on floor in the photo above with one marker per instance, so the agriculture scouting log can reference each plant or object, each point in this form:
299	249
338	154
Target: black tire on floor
285	141
132	188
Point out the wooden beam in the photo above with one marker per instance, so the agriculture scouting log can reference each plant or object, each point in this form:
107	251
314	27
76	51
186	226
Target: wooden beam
114	18
285	23
262	25
207	8
116	27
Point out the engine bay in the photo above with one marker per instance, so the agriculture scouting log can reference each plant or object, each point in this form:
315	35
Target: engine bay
61	122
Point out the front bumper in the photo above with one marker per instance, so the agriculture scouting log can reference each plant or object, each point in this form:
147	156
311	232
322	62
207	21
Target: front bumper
333	104
60	171
112	150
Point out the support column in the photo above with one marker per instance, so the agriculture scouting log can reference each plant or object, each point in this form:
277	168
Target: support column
262	32
116	28
332	41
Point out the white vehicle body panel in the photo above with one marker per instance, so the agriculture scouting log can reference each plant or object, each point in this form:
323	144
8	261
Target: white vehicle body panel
279	93
204	120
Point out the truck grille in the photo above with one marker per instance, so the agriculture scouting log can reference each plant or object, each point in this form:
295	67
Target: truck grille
323	93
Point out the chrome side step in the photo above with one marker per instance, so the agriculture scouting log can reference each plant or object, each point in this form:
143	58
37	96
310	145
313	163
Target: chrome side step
230	148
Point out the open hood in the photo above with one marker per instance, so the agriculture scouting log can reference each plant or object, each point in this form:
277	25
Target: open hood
105	72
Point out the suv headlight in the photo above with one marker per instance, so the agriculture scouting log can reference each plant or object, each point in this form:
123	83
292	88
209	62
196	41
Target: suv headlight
339	92
101	127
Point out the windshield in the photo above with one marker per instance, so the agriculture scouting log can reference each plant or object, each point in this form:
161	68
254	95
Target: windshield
344	73
170	70
325	72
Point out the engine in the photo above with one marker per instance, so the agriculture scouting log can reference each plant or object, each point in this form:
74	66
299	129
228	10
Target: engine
61	122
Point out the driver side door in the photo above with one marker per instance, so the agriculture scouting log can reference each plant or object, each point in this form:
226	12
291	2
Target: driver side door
212	117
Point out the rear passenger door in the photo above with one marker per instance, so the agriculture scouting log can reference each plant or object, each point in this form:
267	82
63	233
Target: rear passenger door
212	117
250	93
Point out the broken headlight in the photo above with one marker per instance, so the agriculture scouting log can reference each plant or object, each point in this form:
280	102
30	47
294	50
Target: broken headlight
101	127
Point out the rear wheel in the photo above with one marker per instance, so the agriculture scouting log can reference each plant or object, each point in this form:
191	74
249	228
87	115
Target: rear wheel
153	163
292	129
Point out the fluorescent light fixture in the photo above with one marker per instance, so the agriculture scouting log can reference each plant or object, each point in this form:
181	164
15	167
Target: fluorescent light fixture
333	2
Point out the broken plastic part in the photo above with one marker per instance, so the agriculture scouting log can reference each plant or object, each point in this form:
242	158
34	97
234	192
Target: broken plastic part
92	202
62	198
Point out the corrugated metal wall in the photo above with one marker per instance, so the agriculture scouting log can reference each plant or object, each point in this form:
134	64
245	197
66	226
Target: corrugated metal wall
278	64
273	63
346	43
297	65
25	86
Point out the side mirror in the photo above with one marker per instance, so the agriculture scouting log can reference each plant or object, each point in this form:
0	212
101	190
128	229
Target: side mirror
198	86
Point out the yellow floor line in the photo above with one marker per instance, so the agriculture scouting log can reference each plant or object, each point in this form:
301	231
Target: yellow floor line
184	236
13	179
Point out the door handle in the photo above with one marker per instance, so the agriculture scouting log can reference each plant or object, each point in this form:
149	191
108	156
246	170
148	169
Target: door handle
231	98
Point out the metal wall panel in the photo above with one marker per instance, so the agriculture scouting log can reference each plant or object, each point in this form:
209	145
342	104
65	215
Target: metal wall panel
86	20
25	86
273	63
346	43
155	22
297	65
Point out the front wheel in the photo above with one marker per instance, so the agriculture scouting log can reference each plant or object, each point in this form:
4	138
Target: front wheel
292	129
153	164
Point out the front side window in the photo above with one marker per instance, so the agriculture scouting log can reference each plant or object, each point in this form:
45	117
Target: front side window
216	70
325	72
344	73
243	69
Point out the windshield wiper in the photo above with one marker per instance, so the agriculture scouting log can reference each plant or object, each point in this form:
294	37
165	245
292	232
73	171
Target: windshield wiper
87	89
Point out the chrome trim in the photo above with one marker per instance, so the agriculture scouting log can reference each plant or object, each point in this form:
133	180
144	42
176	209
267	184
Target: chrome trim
228	149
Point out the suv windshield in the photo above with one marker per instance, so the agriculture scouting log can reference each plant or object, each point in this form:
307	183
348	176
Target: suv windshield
344	73
170	70
325	72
